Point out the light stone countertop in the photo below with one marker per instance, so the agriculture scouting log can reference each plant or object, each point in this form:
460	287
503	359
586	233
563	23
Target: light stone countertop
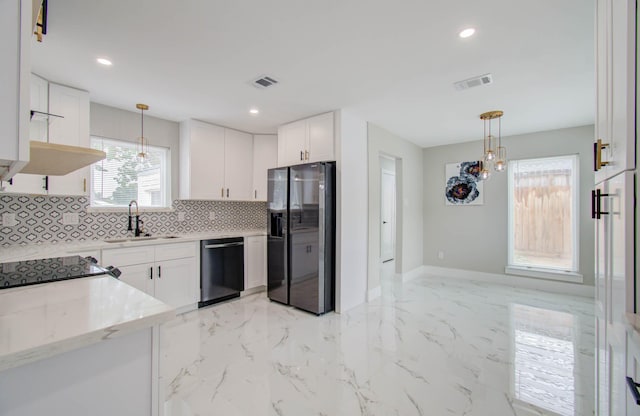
40	321
42	251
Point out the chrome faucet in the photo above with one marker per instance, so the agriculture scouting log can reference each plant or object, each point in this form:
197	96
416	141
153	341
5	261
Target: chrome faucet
137	231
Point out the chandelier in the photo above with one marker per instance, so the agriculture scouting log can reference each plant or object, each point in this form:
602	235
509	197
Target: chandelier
495	155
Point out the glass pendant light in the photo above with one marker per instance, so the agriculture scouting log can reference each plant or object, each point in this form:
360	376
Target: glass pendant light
143	143
495	155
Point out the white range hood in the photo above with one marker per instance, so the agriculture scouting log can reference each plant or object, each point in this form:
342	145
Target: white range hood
58	159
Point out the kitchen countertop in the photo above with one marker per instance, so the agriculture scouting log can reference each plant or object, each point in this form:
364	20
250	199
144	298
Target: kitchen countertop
46	250
40	321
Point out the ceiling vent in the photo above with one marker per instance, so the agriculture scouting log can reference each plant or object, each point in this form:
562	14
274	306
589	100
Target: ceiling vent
264	81
485	79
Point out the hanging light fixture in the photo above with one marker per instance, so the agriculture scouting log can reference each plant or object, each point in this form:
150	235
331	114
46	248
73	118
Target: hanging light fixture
143	143
495	155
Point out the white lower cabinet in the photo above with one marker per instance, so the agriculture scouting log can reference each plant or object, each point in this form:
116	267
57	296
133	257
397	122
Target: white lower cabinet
255	261
168	272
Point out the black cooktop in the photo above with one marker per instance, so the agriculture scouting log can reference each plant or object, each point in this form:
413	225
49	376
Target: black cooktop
32	272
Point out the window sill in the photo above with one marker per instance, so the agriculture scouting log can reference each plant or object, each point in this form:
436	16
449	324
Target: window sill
572	277
126	209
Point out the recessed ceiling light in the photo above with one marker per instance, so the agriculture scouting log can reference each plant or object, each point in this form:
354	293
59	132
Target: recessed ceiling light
104	61
254	111
467	33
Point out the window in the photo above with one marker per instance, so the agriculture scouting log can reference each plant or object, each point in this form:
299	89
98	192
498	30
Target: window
123	177
543	215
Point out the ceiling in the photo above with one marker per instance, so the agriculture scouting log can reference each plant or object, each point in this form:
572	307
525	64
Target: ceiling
391	62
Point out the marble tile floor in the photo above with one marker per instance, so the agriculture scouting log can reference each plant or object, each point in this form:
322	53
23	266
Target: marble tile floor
430	346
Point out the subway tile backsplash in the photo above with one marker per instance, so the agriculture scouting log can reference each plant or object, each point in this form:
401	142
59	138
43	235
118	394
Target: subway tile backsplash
38	219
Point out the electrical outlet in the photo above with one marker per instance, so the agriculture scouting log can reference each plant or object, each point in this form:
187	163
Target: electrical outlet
181	216
70	218
212	216
440	255
9	220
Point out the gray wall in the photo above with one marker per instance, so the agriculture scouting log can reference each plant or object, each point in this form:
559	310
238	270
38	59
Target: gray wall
409	213
114	123
475	237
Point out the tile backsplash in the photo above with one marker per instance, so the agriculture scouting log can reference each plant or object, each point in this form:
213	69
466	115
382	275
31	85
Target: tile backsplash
38	219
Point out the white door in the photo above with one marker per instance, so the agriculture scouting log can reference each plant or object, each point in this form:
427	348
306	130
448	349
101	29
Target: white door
238	159
72	130
292	141
320	138
388	216
139	276
265	157
173	282
206	175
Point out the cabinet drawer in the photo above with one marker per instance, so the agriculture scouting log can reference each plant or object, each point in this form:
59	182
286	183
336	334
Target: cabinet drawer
128	256
175	251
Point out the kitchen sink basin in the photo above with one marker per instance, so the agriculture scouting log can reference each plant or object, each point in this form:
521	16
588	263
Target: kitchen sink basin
149	238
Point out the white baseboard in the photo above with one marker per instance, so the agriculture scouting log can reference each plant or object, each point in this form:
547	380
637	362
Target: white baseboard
510	280
253	290
411	274
374	293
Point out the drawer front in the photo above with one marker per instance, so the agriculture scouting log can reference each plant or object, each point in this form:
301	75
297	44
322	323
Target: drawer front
176	251
127	256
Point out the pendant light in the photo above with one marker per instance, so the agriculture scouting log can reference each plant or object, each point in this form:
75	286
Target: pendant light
143	144
494	155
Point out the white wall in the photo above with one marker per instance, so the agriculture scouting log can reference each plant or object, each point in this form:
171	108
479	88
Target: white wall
409	212
351	239
475	237
114	123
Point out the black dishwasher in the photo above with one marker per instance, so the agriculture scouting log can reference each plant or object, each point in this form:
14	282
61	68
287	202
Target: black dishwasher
221	269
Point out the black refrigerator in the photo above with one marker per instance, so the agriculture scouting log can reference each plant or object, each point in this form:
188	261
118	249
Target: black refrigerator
301	236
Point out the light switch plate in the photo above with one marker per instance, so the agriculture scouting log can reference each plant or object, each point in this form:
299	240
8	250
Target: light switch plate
9	220
70	218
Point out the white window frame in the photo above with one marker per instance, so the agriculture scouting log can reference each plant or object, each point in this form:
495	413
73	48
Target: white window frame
168	200
542	272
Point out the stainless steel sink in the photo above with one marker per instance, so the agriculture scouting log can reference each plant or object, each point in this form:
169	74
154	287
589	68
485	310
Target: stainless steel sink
150	238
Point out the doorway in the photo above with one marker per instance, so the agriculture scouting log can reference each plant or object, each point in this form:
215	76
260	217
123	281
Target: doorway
387	209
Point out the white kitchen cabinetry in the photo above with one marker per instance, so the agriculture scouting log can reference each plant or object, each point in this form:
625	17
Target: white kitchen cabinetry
15	49
613	204
265	157
255	261
215	163
38	131
615	78
238	171
72	130
305	141
169	272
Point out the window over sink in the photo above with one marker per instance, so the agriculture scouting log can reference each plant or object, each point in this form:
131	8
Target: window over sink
123	176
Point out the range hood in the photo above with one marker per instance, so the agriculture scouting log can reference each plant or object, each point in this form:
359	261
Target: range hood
59	159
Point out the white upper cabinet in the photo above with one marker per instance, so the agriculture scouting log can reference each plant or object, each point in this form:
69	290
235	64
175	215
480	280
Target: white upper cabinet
238	172
72	130
215	163
615	76
15	47
265	157
201	160
305	141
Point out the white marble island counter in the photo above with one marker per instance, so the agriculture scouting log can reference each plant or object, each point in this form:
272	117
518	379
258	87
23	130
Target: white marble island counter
78	347
43	320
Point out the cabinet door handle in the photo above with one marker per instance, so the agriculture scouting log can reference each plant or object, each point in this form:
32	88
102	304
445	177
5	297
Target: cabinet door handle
633	386
46	183
227	192
255	194
597	155
159	272
597	213
593	204
301	155
306	155
222	192
151	273
84	185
